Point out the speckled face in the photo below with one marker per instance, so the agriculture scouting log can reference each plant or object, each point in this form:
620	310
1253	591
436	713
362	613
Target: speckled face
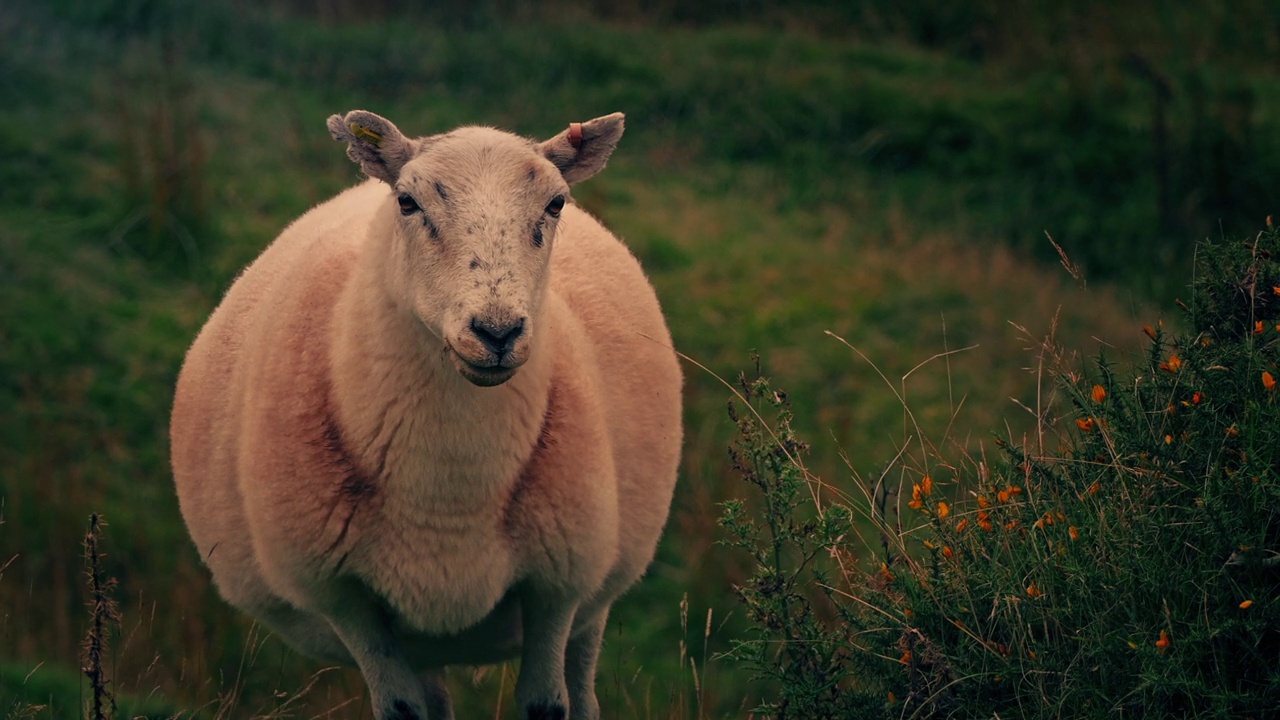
478	210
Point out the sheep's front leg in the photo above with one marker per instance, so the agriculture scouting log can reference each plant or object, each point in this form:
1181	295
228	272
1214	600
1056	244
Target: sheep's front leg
397	693
580	668
439	702
541	693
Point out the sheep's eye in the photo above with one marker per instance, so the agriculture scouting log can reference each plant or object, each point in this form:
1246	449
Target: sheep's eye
407	204
555	206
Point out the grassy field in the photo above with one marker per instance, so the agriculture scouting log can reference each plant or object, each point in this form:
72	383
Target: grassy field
889	187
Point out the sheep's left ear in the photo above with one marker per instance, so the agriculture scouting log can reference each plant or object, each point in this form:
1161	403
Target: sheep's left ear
582	150
374	142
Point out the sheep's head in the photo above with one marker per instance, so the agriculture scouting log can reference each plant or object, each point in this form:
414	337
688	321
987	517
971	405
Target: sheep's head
473	215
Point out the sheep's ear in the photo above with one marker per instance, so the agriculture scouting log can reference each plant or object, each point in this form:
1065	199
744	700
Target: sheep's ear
582	150
374	143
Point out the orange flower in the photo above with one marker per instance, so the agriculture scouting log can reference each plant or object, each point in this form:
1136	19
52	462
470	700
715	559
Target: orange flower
1002	496
906	657
892	698
1093	489
926	485
1268	382
947	552
1275	289
984	521
1197	398
1011	525
1073	532
960	526
884	573
1099	393
1172	365
1246	604
917	498
1232	431
1259	328
1085	424
1163	643
943	510
915	504
1033	591
1150	331
1015	490
983	502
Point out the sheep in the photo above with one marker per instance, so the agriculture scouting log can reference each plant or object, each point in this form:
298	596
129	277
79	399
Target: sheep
437	421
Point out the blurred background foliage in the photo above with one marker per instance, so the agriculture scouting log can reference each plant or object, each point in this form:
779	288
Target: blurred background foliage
886	171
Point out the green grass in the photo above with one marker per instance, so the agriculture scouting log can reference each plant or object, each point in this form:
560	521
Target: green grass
1121	560
775	184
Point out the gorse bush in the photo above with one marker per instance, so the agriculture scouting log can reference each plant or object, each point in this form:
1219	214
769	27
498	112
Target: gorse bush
1124	560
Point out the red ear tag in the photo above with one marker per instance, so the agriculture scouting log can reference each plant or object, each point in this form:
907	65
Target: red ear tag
575	135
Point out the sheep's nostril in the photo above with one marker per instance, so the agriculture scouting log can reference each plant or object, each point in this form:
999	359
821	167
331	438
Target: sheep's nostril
497	337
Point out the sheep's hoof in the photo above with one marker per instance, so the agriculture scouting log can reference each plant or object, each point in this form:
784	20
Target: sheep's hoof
540	711
400	710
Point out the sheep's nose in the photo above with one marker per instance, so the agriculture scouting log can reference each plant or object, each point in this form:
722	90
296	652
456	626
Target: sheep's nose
498	337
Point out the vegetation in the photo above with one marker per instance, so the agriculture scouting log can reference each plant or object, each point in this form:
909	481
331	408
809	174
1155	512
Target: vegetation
1124	560
882	173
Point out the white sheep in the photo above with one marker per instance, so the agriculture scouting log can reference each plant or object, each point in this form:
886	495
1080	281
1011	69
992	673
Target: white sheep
438	423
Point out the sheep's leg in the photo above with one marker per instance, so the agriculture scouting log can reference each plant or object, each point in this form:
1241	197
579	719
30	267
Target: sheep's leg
439	703
397	693
541	692
580	669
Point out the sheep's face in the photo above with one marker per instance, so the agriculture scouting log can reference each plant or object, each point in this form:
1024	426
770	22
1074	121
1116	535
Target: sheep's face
473	215
478	211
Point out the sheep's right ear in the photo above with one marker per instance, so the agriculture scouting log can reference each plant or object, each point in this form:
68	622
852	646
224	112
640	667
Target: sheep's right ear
374	143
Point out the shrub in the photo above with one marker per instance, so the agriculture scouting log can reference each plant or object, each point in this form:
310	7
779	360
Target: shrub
1125	560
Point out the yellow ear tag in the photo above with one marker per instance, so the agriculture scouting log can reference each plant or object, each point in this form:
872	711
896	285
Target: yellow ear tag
361	131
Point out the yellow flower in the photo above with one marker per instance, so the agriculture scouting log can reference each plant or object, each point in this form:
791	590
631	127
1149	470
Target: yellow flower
943	510
1099	393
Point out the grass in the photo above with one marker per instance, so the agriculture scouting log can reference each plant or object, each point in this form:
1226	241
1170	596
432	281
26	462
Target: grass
776	185
1120	560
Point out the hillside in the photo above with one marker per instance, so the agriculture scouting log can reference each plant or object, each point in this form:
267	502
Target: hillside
776	184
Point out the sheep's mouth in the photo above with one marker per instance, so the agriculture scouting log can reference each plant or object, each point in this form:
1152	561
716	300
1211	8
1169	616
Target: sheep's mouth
485	376
482	375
